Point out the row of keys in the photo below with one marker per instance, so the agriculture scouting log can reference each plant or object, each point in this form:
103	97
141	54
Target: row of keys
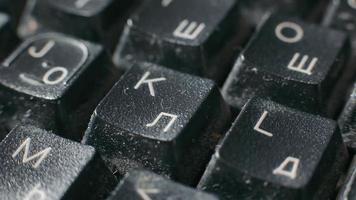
37	164
289	155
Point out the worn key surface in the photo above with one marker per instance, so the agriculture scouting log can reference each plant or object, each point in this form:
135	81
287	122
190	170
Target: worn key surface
36	164
160	119
291	62
52	76
145	185
275	152
192	37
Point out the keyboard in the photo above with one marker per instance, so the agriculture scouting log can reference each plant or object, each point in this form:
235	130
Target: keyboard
177	99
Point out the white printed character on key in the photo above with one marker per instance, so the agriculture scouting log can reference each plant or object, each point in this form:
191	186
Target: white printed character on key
298	32
53	76
39	53
188	30
288	168
38	157
161	115
302	66
149	82
258	128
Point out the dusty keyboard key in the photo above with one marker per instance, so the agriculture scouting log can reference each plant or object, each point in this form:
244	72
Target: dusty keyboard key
291	62
54	80
275	152
195	37
36	164
158	119
144	185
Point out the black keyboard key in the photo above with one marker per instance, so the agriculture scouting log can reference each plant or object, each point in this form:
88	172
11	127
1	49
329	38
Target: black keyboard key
348	189
87	19
144	185
291	62
158	119
36	164
191	38
54	80
275	152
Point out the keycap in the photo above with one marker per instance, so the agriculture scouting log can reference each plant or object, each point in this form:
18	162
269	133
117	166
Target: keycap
145	185
36	164
54	81
276	152
158	119
87	19
347	190
195	36
290	62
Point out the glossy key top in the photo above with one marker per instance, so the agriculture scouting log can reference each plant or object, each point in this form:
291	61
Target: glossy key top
191	38
275	152
53	76
291	62
144	185
36	164
159	119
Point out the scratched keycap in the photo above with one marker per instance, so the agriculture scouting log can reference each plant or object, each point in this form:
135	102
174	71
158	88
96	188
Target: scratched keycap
36	164
53	80
194	37
144	185
291	62
158	119
275	152
87	19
